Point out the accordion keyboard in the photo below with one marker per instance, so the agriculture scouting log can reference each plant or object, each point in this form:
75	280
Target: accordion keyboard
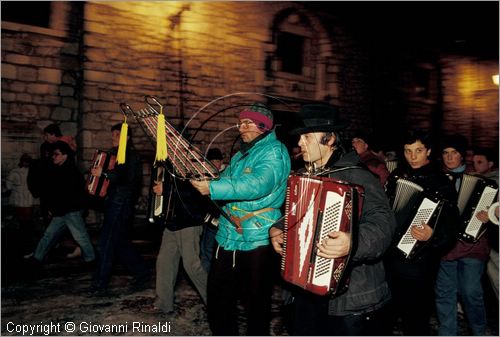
331	222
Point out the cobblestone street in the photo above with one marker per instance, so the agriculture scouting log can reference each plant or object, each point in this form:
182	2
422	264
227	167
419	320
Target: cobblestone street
59	296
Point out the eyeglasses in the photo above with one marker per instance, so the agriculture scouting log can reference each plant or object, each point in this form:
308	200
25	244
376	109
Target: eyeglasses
244	123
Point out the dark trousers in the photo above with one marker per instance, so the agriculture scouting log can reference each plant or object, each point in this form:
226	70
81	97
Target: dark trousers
310	318
245	275
115	242
207	245
412	301
26	227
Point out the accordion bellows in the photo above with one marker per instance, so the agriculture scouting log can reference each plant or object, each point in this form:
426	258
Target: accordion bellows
98	186
413	206
474	195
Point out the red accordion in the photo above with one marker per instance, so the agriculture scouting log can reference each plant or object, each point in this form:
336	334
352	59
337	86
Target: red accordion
316	206
98	186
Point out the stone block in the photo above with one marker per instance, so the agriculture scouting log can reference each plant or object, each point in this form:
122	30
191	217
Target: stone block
17	86
54	100
99	76
18	59
66	91
41	89
49	75
27	73
69	102
9	71
61	114
68	78
24	97
44	112
8	97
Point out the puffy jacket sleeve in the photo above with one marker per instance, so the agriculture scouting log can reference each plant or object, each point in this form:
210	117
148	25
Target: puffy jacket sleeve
254	178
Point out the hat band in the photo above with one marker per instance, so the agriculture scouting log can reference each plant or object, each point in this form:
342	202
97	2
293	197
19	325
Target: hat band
318	122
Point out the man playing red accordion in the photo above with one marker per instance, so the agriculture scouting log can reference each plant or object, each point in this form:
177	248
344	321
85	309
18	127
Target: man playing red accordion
357	310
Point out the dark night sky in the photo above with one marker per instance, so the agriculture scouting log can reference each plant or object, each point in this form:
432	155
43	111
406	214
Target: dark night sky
467	27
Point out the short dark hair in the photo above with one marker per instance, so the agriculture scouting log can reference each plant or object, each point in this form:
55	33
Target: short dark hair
418	135
488	153
118	127
53	129
65	149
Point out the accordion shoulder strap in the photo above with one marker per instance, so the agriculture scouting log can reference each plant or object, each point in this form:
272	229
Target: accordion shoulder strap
335	169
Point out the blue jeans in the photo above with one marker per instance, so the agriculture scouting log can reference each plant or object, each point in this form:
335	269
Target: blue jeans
115	242
74	222
207	245
460	277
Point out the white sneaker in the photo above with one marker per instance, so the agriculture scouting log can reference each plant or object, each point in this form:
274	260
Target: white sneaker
28	256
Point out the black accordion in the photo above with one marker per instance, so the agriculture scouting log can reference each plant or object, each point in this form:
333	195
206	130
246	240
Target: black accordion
316	206
158	205
413	206
474	195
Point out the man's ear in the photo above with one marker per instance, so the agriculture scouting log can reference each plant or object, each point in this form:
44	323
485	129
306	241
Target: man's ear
328	139
331	139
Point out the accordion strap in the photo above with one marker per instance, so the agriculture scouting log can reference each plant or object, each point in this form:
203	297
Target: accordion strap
339	169
238	220
252	214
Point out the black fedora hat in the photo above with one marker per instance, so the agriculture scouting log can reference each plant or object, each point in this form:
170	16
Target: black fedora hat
319	118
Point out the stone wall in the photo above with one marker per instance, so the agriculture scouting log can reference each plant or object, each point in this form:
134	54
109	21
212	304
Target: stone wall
471	99
40	81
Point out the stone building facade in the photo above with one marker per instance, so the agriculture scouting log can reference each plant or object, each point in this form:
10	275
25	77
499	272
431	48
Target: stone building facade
204	60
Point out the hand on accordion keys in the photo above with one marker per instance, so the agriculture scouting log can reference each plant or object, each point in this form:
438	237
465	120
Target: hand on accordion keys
96	171
276	236
337	244
421	232
158	188
483	216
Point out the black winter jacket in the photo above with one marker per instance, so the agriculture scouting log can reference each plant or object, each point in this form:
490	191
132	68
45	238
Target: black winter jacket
125	180
64	188
424	264
188	207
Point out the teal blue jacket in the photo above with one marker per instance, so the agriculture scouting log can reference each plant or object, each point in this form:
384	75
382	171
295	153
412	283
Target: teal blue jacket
253	181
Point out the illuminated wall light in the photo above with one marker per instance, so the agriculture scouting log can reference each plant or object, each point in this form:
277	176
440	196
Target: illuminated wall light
495	79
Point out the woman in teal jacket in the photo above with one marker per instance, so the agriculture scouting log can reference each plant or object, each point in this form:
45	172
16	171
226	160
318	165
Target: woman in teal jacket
254	187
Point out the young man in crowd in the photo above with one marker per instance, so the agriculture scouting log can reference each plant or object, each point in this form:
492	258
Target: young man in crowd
125	181
180	240
412	278
65	203
461	269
